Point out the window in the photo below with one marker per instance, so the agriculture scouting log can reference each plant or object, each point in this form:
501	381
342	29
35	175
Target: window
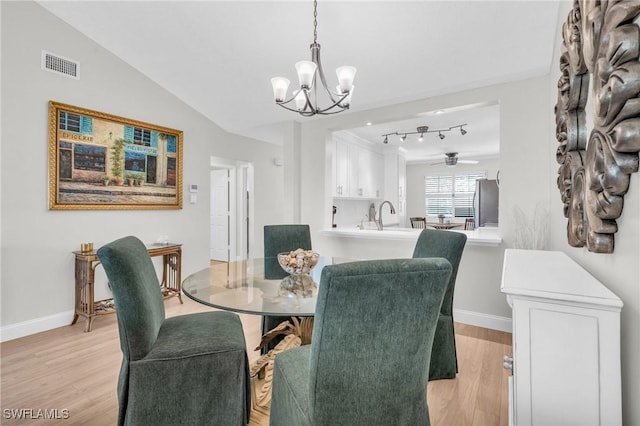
75	123
450	195
69	122
141	136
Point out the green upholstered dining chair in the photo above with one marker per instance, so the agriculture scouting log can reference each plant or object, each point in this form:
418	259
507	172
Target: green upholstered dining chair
280	239
447	244
190	369
368	361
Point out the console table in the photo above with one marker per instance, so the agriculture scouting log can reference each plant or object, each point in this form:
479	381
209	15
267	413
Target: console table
566	342
86	264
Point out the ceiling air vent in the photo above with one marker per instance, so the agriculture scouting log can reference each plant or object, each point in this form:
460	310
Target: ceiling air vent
60	65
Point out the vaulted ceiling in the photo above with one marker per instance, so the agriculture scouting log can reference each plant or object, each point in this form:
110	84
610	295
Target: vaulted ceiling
219	56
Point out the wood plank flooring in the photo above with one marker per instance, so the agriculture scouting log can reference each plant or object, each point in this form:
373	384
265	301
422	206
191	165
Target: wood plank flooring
67	369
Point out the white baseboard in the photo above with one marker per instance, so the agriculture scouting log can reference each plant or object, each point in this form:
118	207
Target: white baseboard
482	320
37	325
26	328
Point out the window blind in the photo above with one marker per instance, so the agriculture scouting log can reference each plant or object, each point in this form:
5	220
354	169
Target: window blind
450	195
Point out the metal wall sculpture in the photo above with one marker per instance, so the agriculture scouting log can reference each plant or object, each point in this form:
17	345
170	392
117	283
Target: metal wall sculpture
602	42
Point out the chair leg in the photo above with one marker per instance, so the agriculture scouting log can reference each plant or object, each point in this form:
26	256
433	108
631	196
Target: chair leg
444	360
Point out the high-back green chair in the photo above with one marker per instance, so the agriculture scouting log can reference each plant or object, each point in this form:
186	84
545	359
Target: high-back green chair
447	244
190	369
369	358
280	239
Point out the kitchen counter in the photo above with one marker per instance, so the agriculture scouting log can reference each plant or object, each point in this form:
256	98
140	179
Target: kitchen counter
480	236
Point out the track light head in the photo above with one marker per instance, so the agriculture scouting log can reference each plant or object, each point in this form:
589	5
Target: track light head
403	138
386	140
463	131
440	135
421	138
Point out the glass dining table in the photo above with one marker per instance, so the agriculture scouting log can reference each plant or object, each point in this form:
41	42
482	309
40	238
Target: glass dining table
241	287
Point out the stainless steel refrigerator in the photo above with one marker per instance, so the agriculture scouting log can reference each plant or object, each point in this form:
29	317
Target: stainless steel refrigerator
485	203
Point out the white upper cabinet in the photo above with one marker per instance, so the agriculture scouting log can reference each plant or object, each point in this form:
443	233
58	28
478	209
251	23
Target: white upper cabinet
340	169
358	172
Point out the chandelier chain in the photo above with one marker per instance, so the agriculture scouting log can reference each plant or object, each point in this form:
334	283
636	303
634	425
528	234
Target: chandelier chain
315	21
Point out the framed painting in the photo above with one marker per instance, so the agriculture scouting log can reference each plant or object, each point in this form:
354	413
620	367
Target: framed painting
99	161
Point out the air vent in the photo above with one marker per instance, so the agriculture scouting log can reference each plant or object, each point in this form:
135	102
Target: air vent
60	65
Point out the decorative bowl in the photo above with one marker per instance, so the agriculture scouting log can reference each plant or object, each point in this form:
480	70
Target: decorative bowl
298	261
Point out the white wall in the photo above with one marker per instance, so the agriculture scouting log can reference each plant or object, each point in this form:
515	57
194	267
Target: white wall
524	123
37	263
618	271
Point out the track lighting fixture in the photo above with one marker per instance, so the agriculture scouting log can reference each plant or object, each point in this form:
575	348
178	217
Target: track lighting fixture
425	129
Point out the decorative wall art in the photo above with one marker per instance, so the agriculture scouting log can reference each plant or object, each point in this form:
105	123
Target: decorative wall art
99	161
602	42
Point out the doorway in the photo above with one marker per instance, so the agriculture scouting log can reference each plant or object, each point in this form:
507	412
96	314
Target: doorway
231	204
221	214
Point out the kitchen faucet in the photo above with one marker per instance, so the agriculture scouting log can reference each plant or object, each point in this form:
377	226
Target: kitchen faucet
392	211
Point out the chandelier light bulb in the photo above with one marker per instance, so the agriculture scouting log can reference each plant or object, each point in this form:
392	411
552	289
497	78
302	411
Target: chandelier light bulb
280	86
300	99
306	71
345	75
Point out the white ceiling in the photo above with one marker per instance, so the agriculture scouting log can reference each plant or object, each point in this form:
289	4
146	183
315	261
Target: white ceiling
218	56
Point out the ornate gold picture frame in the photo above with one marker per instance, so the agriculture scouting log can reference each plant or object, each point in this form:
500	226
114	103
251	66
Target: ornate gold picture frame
99	161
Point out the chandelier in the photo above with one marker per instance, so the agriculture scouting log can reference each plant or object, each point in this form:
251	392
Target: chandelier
305	98
422	130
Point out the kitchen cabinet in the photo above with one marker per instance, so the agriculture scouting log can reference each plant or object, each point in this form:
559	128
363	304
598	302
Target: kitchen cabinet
341	169
566	342
358	172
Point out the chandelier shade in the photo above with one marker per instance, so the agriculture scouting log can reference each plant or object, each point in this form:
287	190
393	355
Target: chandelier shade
280	86
304	100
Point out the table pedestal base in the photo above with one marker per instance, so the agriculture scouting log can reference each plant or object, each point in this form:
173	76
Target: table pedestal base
296	334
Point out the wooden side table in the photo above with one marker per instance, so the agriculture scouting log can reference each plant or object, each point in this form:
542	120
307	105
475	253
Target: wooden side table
86	264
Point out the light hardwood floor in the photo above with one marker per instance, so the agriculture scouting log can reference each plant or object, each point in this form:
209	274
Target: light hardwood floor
67	369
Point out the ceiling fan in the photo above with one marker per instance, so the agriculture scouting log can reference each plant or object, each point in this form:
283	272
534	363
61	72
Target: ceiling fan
451	159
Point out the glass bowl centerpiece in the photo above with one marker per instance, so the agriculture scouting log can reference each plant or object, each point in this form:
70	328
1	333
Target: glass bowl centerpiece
298	263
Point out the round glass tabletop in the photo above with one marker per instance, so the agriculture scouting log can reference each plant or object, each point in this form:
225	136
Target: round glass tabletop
241	287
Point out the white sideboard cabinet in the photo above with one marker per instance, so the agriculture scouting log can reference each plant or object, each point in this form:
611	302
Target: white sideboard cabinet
566	342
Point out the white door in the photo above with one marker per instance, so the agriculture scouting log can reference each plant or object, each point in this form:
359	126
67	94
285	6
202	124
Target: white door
220	238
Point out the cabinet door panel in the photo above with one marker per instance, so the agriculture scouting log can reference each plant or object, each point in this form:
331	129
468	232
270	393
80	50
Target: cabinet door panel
557	366
341	172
